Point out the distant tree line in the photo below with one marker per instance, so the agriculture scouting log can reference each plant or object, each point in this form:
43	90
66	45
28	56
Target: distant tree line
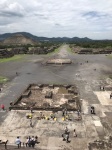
94	44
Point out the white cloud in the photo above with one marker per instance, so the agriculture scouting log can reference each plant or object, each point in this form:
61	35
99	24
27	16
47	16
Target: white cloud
84	18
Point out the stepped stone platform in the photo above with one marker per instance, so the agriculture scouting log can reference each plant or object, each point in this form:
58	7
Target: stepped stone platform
59	61
48	97
50	131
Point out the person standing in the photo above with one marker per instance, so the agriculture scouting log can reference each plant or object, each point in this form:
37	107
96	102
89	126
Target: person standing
2	107
78	112
67	138
74	133
31	108
63	112
111	95
33	141
27	140
66	130
18	142
31	125
36	139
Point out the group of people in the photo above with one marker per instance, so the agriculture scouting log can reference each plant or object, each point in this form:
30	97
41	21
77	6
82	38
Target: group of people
92	110
66	135
102	88
30	142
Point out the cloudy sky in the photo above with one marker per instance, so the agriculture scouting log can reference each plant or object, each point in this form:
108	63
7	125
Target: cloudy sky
58	18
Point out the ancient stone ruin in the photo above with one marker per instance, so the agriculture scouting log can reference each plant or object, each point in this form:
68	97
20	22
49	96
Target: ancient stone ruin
59	61
101	144
4	53
48	97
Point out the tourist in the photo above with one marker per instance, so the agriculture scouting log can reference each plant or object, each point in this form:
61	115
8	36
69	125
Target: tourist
33	141
31	125
27	140
31	108
63	112
2	107
111	95
74	133
100	88
78	112
36	139
11	103
18	142
66	130
92	110
67	138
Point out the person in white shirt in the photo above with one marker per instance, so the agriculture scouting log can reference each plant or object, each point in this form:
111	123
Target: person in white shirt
18	142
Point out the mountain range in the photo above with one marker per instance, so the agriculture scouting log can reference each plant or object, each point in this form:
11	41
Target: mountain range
37	38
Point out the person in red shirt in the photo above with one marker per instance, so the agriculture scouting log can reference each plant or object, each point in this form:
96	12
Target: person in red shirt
2	106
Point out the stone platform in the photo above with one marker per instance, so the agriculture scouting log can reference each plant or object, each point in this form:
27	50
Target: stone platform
48	97
59	61
50	131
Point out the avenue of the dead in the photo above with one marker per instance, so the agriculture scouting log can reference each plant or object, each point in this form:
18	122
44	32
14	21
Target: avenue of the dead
87	72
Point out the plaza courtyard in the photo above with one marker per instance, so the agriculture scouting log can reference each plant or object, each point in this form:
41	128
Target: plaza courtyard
87	73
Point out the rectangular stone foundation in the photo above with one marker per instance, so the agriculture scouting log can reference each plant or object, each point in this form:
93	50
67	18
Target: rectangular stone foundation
35	96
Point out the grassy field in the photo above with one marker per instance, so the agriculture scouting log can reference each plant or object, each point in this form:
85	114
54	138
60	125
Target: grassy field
14	58
55	51
3	79
69	50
